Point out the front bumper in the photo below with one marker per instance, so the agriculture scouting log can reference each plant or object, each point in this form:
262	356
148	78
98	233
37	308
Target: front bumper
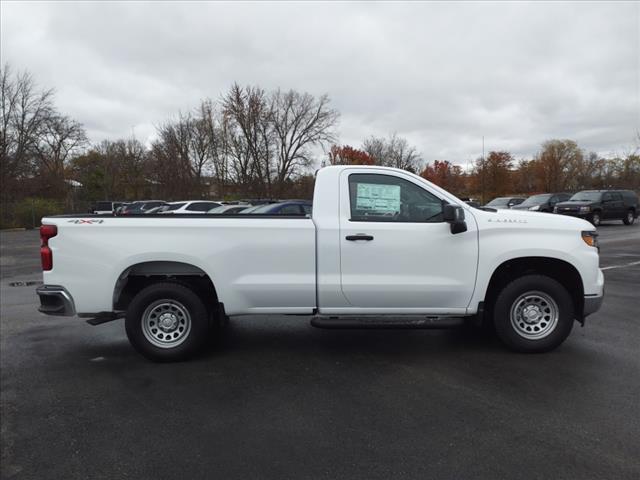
583	215
592	304
55	300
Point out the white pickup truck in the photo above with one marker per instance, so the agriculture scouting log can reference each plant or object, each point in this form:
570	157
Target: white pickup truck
383	248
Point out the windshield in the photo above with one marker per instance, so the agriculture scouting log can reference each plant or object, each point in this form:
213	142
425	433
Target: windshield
588	196
499	201
174	206
536	199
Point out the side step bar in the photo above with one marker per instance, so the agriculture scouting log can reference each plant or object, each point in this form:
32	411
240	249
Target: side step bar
414	322
101	317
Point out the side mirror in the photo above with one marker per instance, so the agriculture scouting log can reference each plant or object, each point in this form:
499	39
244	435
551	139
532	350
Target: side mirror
454	215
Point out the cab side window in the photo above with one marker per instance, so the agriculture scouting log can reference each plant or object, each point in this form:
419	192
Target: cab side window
385	198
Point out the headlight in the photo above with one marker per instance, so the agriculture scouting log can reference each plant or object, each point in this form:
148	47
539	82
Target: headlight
585	209
590	238
535	207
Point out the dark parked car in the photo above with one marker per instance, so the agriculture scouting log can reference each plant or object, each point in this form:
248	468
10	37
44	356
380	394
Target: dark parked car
293	207
502	203
141	207
543	202
121	207
598	205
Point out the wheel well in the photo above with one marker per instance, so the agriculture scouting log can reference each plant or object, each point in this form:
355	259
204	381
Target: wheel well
141	275
559	270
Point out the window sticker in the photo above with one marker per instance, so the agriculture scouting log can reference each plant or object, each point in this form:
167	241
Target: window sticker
378	198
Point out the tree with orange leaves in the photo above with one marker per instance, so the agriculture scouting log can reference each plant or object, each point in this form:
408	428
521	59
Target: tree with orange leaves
347	155
446	175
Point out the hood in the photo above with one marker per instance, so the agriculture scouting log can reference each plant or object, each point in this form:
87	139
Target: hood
530	219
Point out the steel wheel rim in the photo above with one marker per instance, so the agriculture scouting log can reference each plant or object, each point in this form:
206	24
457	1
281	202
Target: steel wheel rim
596	219
534	315
166	323
630	217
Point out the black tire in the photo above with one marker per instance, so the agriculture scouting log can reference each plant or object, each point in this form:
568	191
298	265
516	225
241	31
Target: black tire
189	313
518	333
630	217
595	218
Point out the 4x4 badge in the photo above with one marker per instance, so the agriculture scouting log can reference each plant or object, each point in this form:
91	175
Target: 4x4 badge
84	221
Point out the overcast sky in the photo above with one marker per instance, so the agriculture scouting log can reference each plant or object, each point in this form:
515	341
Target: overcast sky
442	75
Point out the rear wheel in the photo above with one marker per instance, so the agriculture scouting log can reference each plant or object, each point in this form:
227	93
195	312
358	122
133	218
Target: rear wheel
534	313
630	217
167	322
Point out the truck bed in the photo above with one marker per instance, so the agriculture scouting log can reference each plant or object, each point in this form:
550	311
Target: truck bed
243	252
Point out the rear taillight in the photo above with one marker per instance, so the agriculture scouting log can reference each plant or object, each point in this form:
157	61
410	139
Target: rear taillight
47	232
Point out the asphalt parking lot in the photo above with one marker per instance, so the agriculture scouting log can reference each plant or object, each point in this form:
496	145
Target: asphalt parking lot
280	399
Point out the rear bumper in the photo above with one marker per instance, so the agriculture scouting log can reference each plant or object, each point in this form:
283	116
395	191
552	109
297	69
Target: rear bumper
55	300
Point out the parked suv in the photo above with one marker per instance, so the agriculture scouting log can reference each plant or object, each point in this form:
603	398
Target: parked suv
543	202
598	205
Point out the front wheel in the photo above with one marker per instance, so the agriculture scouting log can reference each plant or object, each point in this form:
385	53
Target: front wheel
167	322
595	219
533	313
629	218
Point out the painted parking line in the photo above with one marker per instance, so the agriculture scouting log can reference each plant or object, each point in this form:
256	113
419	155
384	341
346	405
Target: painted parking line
620	266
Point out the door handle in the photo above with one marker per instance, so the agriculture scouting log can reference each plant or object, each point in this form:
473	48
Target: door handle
359	236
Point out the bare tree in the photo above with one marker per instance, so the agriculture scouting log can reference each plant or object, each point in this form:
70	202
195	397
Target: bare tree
376	148
131	162
247	117
25	112
60	137
300	122
172	158
393	152
214	127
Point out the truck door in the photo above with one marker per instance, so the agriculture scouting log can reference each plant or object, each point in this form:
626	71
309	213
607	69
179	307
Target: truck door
397	254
